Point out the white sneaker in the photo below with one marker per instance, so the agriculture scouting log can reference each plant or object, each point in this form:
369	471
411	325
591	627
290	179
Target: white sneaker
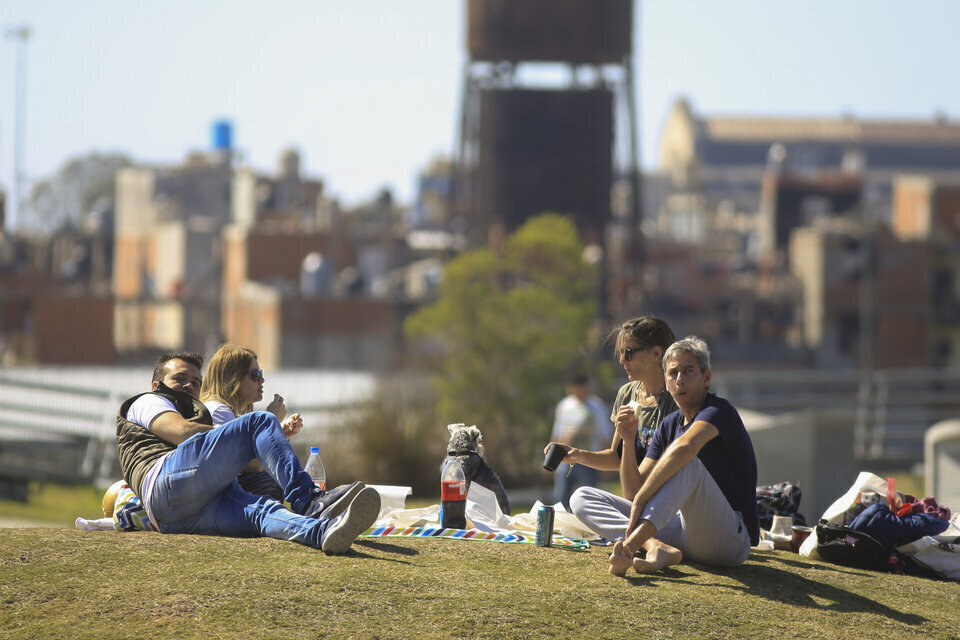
344	528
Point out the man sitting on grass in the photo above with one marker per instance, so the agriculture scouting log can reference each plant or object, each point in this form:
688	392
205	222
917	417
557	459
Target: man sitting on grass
184	471
698	496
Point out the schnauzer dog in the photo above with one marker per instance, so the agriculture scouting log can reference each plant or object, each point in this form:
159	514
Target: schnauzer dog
466	445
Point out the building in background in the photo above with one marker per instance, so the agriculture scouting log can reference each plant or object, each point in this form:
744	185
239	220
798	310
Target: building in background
55	302
866	296
167	258
927	209
715	165
817	206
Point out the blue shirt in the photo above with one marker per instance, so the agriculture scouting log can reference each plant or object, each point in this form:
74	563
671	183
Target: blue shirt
728	457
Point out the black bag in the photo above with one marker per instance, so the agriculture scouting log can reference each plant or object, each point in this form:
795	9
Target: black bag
851	548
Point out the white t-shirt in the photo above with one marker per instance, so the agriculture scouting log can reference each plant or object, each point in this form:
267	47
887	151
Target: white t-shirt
143	412
585	422
146	408
221	413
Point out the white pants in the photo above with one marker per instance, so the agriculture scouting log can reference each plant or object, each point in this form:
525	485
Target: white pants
689	511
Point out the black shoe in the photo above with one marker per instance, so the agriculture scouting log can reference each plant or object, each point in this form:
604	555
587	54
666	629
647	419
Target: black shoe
342	530
329	504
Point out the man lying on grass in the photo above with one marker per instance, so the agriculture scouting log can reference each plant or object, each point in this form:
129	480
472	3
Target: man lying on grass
184	471
697	499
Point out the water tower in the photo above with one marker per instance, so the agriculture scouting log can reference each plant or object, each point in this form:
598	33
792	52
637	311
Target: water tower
548	121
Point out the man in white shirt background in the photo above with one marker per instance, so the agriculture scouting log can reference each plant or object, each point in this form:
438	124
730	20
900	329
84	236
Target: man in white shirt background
581	421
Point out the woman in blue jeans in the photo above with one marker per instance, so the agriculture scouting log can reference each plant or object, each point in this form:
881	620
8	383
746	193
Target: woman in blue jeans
234	382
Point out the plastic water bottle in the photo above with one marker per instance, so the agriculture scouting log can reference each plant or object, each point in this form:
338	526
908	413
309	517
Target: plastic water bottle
453	495
314	468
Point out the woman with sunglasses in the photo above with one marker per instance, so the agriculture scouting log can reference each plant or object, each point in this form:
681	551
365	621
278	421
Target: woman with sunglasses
640	406
233	383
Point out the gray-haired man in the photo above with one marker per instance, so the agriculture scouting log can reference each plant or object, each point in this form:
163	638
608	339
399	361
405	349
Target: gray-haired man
698	496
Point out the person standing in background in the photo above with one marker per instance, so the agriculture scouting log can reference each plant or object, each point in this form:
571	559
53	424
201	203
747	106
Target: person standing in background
581	421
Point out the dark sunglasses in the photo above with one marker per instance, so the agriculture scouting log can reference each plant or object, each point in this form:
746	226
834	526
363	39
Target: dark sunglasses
627	354
256	375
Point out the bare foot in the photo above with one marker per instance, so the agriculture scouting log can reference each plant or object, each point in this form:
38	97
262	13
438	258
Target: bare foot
659	555
619	561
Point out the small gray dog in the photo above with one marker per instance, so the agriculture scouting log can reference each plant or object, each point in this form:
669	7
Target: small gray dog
466	445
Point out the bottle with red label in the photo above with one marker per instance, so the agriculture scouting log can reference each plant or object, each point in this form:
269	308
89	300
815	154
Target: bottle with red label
453	495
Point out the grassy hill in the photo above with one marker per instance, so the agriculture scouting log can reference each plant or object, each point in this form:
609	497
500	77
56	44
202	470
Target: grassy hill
65	583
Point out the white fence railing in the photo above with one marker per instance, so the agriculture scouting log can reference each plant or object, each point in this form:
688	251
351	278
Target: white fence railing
891	409
59	423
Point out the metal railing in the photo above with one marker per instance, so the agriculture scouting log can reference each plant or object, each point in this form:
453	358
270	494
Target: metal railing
59	423
890	409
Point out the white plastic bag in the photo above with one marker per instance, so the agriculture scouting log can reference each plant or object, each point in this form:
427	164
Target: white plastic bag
392	498
943	558
939	553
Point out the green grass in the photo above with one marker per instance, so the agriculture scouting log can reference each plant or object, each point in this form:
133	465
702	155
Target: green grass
63	583
55	504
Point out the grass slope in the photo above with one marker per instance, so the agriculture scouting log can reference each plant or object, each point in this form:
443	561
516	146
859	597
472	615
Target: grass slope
55	504
63	583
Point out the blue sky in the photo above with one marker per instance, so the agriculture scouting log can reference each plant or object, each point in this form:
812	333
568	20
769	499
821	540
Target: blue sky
369	90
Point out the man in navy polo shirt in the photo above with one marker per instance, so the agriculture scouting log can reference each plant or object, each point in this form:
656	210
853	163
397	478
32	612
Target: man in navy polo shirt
698	497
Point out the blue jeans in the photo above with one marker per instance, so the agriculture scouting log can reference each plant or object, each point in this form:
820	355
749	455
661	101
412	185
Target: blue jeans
197	491
564	486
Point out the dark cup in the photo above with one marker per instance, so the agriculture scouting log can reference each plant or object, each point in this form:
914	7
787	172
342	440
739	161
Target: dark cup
555	454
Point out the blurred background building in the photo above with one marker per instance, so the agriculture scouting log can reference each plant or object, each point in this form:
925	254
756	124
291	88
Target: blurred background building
794	246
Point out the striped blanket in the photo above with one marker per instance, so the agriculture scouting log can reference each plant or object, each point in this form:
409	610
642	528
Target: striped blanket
433	531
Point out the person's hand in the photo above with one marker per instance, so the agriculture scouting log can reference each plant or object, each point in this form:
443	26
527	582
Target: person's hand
292	425
571	454
561	444
627	424
636	510
277	408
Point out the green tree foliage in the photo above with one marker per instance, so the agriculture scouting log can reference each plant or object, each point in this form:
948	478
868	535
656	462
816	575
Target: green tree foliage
394	439
504	329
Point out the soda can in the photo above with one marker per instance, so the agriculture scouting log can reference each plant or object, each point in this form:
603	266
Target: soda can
544	526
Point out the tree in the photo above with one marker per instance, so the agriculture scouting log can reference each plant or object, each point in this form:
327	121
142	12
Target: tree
62	200
504	329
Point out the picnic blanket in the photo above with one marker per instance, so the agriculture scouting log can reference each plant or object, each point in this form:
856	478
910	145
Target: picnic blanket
436	531
487	522
483	512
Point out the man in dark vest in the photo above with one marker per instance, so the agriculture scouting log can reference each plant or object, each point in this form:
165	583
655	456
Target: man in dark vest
184	471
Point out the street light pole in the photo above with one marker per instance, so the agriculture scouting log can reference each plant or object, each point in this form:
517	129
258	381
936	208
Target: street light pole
21	34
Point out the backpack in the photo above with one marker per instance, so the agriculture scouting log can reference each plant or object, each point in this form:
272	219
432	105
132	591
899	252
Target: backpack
850	548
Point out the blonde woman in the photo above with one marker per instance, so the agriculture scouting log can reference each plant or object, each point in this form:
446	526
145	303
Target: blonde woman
233	383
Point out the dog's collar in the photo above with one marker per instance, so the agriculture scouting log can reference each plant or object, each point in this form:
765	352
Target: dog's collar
460	453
